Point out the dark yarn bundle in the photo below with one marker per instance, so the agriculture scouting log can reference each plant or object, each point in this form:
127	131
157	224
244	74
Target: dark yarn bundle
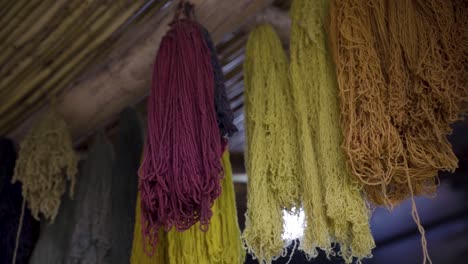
90	236
10	211
124	190
53	242
181	170
224	114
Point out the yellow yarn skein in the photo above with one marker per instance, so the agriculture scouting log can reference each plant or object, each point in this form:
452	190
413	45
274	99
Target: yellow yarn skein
273	153
314	82
220	244
316	232
46	160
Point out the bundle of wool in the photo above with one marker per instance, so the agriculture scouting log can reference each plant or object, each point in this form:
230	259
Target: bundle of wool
272	152
402	81
124	187
336	213
181	169
46	161
11	215
221	243
89	241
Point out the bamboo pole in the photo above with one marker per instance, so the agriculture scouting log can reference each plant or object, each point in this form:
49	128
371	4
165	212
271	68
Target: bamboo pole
229	43
99	31
41	23
20	9
12	116
101	34
17	116
24	50
7	26
48	53
17	77
6	6
19	24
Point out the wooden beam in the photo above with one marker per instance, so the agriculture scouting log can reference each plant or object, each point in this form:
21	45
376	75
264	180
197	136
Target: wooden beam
124	79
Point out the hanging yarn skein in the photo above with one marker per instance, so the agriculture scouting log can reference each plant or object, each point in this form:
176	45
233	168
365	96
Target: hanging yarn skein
396	116
46	161
402	76
181	169
11	215
316	93
272	147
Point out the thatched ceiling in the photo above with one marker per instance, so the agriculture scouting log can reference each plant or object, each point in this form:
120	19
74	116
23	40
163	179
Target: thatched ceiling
48	44
96	56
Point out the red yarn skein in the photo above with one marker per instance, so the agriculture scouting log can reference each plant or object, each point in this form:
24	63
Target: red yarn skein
181	169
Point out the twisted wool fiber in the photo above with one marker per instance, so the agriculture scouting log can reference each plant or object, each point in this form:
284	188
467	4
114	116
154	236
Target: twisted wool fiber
402	75
10	212
313	79
220	244
46	161
272	152
401	86
181	169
